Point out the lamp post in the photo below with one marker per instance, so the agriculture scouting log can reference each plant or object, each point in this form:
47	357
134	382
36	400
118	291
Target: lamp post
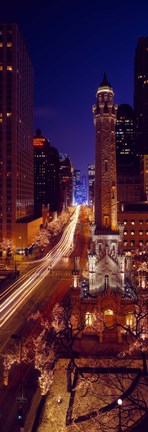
21	399
119	402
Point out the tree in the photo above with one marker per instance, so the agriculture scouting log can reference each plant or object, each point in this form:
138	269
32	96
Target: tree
136	333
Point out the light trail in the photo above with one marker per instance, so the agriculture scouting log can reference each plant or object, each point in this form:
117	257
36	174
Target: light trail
15	296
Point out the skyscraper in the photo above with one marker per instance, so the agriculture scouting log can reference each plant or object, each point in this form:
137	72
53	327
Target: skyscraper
66	185
16	131
141	95
128	171
46	174
124	132
91	183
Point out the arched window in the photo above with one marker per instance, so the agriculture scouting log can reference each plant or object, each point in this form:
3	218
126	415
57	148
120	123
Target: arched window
108	312
88	319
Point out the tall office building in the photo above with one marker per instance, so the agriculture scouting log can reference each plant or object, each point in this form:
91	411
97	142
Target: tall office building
128	167
46	174
16	131
125	144
76	186
84	190
91	183
66	186
141	95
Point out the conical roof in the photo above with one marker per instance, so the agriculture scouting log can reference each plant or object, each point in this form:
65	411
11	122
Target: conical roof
104	82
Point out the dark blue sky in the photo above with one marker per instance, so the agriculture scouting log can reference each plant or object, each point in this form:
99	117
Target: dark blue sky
71	44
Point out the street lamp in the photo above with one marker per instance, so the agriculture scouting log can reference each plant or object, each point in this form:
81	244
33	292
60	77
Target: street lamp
21	399
119	402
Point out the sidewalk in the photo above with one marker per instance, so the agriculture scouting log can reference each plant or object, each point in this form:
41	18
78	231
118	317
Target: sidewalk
55	405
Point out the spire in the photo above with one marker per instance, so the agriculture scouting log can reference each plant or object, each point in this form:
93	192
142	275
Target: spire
105	82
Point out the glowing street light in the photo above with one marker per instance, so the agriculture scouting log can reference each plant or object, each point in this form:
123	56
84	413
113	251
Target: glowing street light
119	402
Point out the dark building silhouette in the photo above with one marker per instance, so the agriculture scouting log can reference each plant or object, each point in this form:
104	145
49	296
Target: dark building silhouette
141	95
125	143
46	174
65	181
16	132
128	165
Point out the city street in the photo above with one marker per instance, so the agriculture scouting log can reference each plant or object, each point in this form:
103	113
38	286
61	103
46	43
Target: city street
51	289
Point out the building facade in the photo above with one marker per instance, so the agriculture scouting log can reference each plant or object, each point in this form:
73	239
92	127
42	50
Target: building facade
141	95
79	188
66	182
91	184
134	218
46	175
16	131
105	158
144	176
125	140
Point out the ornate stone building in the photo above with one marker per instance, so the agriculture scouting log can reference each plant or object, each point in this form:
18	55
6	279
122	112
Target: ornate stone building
108	294
106	264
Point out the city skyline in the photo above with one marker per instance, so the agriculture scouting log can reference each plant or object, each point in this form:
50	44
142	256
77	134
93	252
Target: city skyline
71	45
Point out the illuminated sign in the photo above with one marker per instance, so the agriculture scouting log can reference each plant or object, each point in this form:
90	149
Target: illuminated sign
39	141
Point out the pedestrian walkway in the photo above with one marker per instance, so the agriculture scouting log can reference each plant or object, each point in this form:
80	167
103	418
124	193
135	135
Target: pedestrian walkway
54	407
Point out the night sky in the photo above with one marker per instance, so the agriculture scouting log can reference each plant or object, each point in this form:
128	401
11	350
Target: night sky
71	44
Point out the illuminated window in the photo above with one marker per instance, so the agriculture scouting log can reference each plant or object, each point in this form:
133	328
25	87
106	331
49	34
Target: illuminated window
8	114
132	222
125	243
140	232
106	166
125	232
1	44
132	233
141	222
88	319
1	67
141	243
125	222
108	312
9	44
9	68
129	320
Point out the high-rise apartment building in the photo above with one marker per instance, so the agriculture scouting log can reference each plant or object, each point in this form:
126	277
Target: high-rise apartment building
16	131
141	95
